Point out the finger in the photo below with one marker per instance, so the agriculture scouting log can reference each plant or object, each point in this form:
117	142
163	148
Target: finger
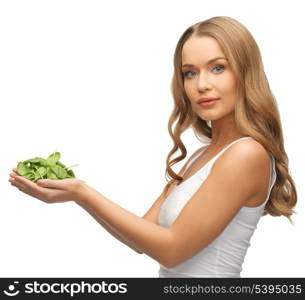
30	191
12	179
15	171
19	186
24	180
13	175
29	185
52	183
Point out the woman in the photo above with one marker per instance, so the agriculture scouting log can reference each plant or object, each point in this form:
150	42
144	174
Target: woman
202	223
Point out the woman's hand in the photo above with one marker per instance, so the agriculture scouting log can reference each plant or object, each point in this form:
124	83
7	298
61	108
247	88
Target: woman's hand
49	190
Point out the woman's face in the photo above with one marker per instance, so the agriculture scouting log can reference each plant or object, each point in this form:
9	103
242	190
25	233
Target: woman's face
203	78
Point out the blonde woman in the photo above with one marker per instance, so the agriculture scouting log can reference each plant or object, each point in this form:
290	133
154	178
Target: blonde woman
202	223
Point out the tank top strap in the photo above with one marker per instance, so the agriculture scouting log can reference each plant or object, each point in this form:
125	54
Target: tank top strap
195	156
273	172
211	162
216	156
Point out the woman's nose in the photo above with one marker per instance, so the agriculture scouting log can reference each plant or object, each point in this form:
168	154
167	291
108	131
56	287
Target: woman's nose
203	82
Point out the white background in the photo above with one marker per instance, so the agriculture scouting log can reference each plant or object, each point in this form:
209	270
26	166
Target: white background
91	79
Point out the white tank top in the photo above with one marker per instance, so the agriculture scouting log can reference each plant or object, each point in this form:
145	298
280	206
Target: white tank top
225	255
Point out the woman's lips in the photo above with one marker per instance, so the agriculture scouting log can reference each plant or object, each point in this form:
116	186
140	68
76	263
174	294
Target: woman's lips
208	103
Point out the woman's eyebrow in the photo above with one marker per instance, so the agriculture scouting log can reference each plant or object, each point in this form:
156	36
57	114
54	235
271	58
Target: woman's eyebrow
210	61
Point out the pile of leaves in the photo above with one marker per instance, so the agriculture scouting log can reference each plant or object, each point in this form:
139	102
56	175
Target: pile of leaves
39	168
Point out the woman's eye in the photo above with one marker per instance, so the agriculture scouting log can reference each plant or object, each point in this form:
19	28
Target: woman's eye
218	66
186	73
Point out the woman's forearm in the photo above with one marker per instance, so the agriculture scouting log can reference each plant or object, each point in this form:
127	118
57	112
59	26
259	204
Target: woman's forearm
147	237
109	228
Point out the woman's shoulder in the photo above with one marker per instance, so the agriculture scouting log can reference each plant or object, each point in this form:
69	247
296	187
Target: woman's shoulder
250	147
246	153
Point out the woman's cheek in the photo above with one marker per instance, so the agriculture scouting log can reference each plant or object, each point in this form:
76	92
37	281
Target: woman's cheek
188	91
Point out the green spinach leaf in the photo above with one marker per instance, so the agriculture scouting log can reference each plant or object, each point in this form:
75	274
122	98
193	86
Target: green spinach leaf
39	168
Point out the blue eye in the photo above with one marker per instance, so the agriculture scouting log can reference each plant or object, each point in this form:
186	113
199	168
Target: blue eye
185	73
219	66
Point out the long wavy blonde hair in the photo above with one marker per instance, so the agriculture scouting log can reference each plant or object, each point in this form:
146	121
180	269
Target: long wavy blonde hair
256	116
